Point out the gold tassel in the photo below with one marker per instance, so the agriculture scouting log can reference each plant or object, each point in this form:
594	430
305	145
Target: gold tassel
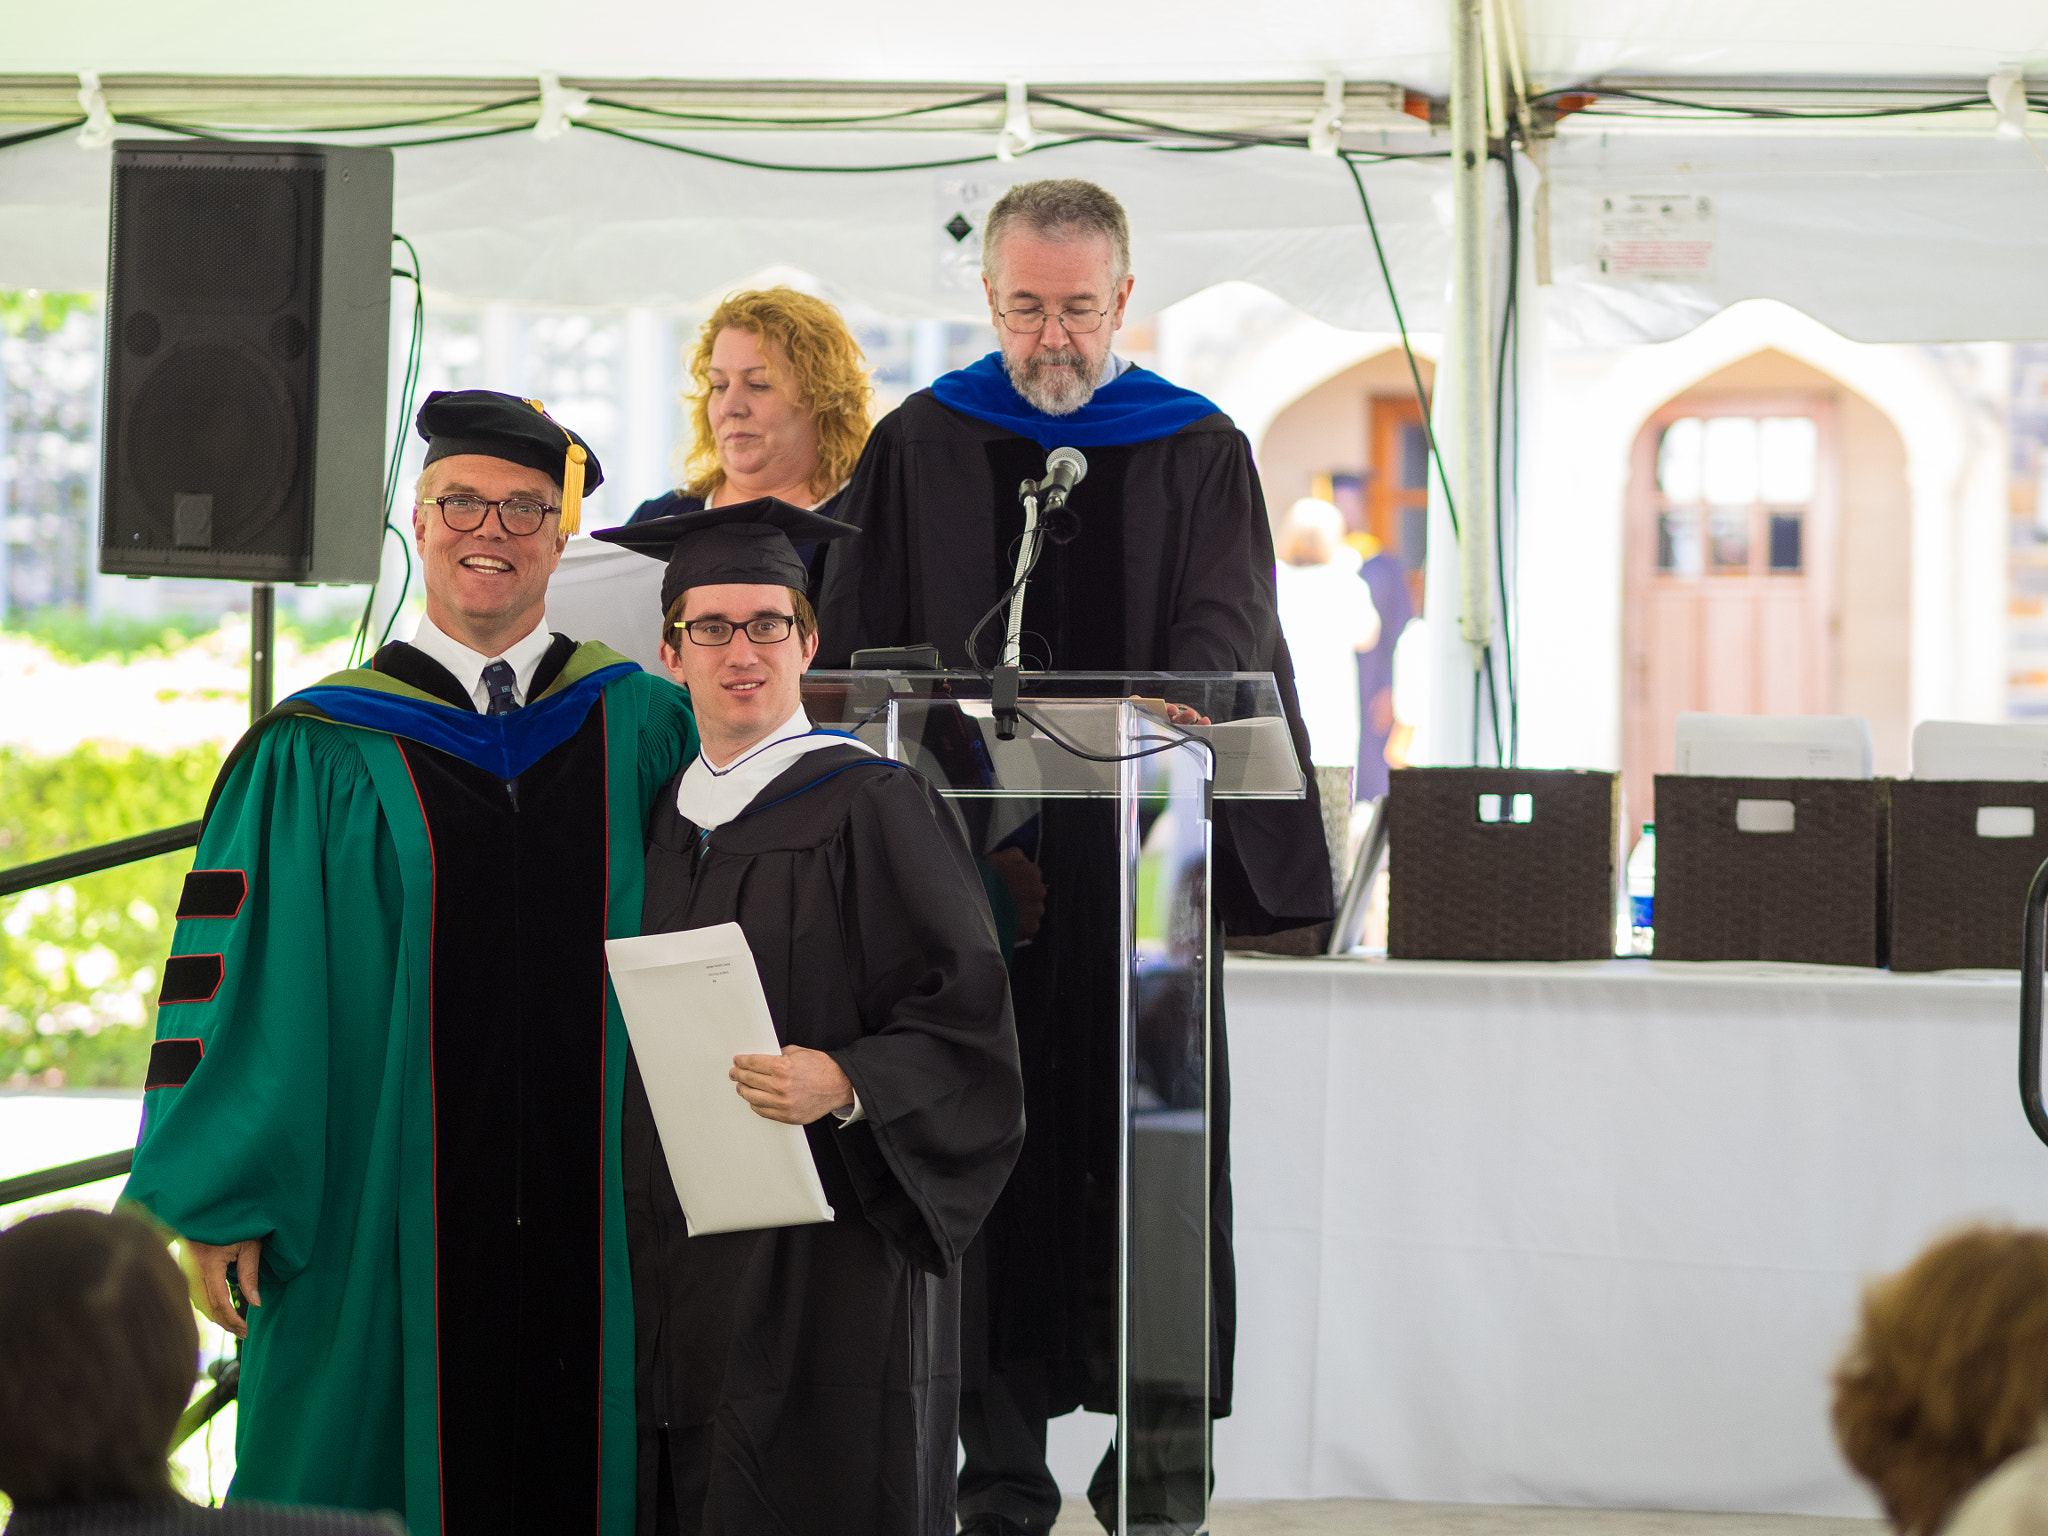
572	476
572	488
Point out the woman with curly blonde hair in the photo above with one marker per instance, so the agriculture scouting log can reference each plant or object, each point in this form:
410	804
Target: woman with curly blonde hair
1947	1377
780	405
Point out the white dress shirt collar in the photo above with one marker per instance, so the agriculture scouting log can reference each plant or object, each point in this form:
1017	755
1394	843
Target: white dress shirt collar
467	666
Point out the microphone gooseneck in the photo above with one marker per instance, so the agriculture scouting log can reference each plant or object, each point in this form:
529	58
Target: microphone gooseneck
1064	469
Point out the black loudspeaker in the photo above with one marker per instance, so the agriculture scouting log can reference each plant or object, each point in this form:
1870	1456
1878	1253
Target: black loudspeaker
248	340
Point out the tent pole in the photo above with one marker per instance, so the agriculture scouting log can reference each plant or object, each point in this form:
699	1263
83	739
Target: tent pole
1471	328
1458	599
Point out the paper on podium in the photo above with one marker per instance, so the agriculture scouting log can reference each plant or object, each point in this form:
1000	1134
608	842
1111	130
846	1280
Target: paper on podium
1254	757
692	1001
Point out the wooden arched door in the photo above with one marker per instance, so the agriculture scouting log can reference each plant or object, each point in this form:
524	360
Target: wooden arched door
1732	514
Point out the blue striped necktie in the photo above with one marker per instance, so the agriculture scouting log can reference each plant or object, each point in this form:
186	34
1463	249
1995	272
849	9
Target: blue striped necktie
498	687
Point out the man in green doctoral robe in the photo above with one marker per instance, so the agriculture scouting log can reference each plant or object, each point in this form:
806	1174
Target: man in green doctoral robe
387	1080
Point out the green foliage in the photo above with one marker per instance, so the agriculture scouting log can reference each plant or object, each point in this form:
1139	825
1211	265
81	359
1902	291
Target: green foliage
79	962
68	633
71	635
313	633
25	309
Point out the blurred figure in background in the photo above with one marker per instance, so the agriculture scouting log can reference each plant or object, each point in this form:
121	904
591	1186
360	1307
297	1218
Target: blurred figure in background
1328	617
1946	1382
779	406
99	1351
1387	579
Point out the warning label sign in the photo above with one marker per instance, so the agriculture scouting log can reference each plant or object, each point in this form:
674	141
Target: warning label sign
1655	237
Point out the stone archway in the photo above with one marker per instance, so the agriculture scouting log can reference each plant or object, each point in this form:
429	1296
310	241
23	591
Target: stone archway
1806	608
1328	427
1573	546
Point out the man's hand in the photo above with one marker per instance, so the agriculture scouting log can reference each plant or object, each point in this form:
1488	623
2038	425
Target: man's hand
796	1087
1174	714
247	1257
1026	886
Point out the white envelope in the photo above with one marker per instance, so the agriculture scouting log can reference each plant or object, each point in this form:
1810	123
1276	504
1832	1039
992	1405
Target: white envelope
1957	749
692	1001
1773	746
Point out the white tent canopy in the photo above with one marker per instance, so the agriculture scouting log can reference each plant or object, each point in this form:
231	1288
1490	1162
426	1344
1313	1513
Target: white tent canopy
1892	239
1901	229
1567	41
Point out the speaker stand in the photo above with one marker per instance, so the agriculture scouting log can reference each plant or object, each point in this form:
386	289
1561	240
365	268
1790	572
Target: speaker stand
262	637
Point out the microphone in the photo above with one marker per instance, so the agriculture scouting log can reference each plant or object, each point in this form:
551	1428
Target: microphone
1064	469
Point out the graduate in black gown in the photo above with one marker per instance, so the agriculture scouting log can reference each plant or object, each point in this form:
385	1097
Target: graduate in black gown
806	1379
1166	564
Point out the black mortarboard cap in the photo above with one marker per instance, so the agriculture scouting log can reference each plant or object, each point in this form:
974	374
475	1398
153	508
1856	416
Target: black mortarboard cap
519	431
750	543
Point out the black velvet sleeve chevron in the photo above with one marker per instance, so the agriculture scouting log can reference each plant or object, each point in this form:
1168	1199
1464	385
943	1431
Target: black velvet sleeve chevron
213	893
171	1063
190	979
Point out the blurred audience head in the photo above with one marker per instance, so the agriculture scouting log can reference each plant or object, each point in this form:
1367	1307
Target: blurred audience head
1310	533
99	1351
1947	1376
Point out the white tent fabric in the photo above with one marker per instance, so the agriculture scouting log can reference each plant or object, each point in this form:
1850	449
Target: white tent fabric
1885	236
1064	40
589	220
1883	239
1892	239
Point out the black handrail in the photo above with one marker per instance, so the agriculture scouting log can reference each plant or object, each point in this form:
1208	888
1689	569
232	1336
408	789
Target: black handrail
227	1384
69	866
49	1181
2033	955
90	861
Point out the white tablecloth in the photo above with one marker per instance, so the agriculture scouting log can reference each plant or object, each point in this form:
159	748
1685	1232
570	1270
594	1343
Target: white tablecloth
1590	1234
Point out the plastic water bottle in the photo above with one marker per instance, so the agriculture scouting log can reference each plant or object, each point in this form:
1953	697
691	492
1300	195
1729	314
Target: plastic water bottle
1642	891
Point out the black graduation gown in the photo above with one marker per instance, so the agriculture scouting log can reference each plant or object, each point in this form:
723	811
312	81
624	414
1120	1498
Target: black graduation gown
807	1378
1172	570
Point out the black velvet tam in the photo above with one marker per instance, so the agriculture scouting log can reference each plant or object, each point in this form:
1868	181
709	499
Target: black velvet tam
455	421
750	543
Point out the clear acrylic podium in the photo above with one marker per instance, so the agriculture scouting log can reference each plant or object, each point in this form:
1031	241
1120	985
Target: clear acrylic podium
1105	736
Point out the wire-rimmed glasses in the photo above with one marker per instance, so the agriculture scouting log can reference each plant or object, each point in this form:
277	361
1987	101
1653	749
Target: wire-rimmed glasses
1075	322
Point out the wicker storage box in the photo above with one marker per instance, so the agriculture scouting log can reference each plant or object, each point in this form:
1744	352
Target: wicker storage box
1463	888
1815	893
1956	894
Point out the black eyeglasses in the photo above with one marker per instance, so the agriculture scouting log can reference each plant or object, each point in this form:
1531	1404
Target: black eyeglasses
1075	322
762	629
518	515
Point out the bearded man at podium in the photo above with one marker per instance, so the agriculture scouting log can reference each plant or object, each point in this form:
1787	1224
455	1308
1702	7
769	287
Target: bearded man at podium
1165	564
